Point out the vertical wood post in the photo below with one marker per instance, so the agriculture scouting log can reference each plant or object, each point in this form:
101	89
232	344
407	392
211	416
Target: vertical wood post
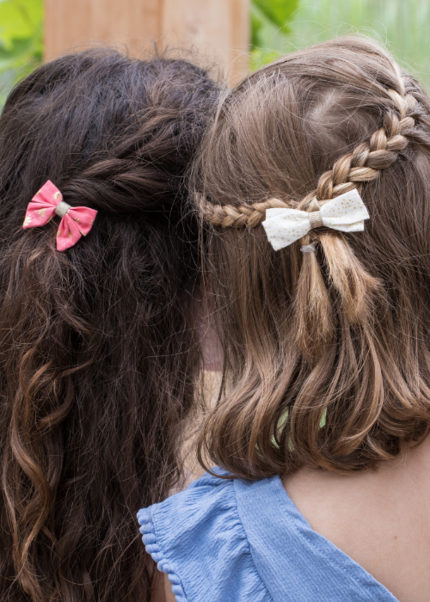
217	30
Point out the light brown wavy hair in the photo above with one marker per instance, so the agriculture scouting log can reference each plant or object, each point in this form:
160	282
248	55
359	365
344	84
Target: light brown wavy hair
327	354
98	351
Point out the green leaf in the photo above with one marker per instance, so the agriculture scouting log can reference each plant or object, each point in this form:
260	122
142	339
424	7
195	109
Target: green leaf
279	12
256	26
19	20
16	49
261	57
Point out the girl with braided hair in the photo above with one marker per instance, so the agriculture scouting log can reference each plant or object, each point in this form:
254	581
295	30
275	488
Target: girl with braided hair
98	294
314	184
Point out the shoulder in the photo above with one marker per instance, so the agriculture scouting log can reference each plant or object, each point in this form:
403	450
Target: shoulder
198	540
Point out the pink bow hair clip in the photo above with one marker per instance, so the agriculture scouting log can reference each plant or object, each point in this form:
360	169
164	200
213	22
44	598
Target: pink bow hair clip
75	221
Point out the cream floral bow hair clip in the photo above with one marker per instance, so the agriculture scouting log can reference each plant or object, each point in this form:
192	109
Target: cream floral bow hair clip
346	213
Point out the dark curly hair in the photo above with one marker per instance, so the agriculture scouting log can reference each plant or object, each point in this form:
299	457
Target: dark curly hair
97	346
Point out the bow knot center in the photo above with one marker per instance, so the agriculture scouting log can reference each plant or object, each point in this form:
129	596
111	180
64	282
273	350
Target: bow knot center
315	219
62	208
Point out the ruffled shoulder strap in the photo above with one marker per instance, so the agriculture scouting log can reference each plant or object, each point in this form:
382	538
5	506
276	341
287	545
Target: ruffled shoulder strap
198	540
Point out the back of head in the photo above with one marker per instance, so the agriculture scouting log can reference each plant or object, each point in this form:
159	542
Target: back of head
327	351
96	343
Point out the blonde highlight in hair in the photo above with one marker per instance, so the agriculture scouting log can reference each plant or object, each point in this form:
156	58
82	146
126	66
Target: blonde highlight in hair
327	352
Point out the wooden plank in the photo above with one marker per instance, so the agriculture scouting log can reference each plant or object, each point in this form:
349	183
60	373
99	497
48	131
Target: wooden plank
240	38
81	23
217	30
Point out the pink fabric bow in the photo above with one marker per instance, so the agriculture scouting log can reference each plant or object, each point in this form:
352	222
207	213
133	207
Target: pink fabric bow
75	221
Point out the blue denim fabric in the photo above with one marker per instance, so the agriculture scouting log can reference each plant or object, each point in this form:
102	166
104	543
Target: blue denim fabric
240	541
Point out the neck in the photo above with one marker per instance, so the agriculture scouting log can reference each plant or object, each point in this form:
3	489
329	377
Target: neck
378	517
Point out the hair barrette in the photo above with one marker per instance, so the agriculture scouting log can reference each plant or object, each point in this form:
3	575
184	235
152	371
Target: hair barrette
75	221
346	213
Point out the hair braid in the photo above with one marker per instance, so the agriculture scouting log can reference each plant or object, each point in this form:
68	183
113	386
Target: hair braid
229	216
350	171
353	285
369	158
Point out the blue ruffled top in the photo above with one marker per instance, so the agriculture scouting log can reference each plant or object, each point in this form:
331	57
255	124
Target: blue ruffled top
230	540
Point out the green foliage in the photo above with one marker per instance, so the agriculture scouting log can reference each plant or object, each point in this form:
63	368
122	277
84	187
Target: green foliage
282	26
19	20
278	12
269	19
21	40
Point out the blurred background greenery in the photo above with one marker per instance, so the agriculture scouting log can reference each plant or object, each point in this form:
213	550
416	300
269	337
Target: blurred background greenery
21	40
282	26
277	27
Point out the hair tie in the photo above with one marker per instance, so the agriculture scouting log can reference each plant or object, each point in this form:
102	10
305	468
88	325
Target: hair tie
308	249
75	221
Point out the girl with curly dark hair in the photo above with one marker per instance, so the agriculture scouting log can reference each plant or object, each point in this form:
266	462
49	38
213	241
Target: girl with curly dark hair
97	343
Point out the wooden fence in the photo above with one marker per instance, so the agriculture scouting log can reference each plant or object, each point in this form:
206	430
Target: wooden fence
216	30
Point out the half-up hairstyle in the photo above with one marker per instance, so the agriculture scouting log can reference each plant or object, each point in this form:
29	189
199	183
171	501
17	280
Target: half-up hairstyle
97	345
327	353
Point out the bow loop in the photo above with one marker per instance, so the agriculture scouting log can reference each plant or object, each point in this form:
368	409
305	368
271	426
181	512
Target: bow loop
345	213
75	221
